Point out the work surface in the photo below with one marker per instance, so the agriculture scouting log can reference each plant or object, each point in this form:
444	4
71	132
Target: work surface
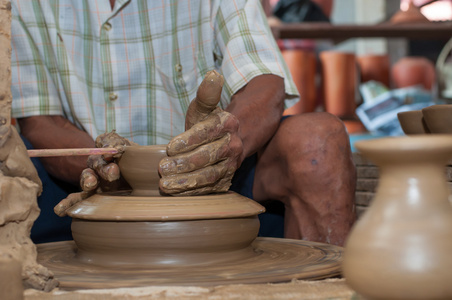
322	289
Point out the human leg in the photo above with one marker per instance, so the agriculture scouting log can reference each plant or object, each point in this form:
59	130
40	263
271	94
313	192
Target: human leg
308	166
272	221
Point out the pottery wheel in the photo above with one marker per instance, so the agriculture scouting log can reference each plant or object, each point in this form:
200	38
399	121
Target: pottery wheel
276	260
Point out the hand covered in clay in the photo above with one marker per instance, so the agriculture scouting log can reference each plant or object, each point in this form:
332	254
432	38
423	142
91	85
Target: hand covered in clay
103	168
203	159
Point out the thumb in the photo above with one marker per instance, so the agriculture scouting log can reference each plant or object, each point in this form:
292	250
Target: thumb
207	98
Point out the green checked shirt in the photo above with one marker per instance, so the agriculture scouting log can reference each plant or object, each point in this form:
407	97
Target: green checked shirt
137	67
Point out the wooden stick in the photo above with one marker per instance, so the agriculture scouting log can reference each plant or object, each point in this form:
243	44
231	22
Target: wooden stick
71	152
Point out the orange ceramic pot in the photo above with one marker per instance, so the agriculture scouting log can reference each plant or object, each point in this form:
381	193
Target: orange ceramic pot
302	66
339	77
413	70
374	67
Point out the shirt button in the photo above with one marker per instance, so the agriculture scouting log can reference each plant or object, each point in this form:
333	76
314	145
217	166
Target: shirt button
178	68
107	26
113	96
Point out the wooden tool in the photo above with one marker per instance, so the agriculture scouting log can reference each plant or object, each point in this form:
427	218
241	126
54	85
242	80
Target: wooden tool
71	152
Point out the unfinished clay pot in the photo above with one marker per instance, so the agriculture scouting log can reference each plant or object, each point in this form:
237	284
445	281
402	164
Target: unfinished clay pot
143	228
412	122
401	247
438	118
135	231
138	166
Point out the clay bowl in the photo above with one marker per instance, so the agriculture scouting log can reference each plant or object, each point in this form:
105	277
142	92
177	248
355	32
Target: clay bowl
143	229
412	122
438	118
139	166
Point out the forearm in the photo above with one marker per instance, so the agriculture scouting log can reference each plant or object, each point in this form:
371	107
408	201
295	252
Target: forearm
56	132
258	106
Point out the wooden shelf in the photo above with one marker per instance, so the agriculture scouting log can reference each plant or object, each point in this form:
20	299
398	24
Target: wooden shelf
440	30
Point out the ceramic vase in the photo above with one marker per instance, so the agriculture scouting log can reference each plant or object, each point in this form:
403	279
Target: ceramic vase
401	248
303	68
339	77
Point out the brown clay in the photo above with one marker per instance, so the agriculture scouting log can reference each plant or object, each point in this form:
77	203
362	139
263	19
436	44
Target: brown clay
412	122
19	188
400	248
438	118
11	287
339	82
273	260
303	67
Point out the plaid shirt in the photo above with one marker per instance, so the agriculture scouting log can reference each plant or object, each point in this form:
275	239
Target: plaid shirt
137	67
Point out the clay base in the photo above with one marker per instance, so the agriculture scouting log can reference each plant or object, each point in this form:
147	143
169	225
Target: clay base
275	260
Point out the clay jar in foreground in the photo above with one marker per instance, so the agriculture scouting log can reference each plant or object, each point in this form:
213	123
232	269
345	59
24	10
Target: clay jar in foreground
401	247
139	166
339	73
303	67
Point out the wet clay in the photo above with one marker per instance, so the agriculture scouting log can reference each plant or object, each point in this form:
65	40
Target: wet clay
11	287
139	167
19	188
401	247
121	229
274	260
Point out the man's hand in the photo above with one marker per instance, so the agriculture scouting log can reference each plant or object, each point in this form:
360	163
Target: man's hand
103	168
203	159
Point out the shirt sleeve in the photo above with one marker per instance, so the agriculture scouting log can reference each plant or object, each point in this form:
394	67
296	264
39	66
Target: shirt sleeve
246	48
33	87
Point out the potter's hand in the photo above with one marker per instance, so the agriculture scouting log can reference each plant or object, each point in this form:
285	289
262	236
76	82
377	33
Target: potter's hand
203	159
103	168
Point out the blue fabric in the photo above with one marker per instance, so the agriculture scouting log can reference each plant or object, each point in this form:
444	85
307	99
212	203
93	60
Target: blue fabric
49	227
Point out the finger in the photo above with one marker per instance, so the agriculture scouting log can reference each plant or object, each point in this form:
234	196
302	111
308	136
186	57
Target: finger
207	98
221	186
201	157
200	178
113	140
89	180
107	171
72	199
212	128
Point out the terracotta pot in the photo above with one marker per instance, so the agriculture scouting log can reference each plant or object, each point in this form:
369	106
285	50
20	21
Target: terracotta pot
413	70
339	83
303	67
401	247
374	67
